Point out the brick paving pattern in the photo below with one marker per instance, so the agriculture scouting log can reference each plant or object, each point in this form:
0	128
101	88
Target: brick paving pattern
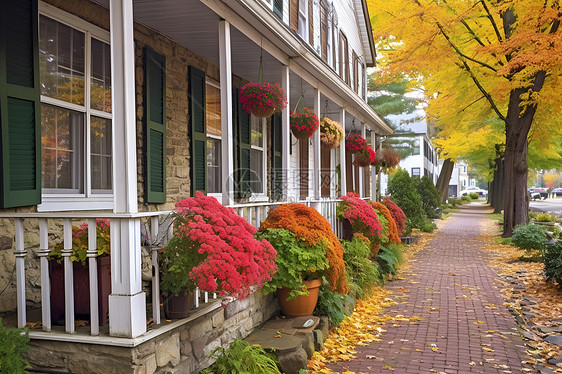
464	328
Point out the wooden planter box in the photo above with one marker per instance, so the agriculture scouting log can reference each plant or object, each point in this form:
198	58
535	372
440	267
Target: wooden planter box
81	290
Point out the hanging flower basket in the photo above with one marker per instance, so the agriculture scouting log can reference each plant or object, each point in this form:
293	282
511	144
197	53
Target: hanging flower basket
331	133
305	124
389	159
365	157
355	143
262	99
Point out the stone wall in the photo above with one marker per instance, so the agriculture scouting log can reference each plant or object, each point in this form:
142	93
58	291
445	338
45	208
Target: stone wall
184	350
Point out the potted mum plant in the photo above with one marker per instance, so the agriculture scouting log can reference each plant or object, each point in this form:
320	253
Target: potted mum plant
214	249
262	99
304	124
365	157
359	217
307	249
331	133
81	278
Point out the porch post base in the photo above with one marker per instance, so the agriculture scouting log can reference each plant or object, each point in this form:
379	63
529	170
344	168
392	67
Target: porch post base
128	315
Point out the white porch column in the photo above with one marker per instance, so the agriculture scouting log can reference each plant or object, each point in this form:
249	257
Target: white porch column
343	182
127	303
361	171
374	168
285	135
227	135
316	149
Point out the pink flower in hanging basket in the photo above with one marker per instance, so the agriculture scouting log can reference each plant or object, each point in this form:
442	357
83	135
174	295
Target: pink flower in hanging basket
262	99
305	124
355	143
365	157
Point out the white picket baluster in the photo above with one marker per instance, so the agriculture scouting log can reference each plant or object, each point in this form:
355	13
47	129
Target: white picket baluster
92	255
45	281
155	270
68	278
20	254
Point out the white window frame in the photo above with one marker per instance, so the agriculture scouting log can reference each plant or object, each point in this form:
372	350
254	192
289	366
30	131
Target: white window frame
329	39
261	197
303	17
86	200
216	84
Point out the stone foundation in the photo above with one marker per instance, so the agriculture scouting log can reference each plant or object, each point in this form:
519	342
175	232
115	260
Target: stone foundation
185	349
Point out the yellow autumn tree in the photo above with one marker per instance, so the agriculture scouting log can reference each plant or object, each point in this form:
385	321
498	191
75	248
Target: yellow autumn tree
489	67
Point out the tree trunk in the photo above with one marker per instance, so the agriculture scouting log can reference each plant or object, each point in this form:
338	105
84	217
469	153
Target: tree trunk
499	190
444	179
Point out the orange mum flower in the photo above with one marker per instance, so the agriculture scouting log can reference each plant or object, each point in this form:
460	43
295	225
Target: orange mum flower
393	236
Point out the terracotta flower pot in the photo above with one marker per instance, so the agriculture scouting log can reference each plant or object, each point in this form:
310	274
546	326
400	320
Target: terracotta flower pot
177	307
301	305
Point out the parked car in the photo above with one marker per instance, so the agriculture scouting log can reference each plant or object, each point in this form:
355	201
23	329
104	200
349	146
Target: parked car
479	191
556	191
538	193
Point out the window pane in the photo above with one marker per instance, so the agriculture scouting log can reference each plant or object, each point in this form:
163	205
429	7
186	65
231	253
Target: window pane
100	90
213	110
62	144
100	142
256	177
61	61
214	170
257	132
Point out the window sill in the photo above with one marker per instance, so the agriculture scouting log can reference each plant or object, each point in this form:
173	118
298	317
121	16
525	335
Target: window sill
259	198
51	203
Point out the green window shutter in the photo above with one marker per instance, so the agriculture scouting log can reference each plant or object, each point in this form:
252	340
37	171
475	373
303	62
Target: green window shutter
278	8
198	130
276	160
20	119
242	148
155	130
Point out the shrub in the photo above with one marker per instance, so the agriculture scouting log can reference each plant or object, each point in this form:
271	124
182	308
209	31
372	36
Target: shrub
389	257
545	217
397	214
474	196
362	274
393	235
533	215
466	199
431	201
454	202
529	236
553	263
311	227
13	343
403	191
333	305
428	226
242	358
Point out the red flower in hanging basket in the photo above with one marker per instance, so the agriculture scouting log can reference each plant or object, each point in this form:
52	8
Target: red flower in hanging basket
262	99
331	133
305	124
355	143
365	157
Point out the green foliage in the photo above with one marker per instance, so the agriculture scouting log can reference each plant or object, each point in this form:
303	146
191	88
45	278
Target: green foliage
454	202
533	215
13	343
242	358
404	193
529	236
362	274
431	201
428	226
296	262
466	199
545	217
80	242
333	305
553	263
176	261
389	257
474	196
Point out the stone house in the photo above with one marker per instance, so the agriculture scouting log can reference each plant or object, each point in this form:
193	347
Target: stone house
118	109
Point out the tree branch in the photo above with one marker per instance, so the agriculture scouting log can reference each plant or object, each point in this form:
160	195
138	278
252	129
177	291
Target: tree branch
474	78
497	31
474	102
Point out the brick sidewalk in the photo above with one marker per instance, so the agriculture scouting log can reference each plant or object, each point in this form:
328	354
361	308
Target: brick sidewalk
464	328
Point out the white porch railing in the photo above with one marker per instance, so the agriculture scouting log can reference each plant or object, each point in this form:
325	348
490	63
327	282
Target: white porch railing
156	232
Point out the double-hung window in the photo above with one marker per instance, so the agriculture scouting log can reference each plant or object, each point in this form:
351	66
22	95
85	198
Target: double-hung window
213	114
303	13
76	118
257	154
